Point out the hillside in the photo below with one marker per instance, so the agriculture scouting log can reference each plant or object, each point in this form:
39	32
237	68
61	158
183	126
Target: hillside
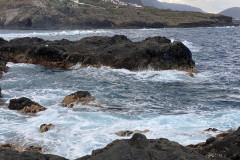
53	14
232	12
172	6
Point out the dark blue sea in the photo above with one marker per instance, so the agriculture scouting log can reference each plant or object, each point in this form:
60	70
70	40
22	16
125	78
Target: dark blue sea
170	104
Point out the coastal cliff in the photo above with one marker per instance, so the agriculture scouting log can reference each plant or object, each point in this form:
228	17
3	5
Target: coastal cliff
44	14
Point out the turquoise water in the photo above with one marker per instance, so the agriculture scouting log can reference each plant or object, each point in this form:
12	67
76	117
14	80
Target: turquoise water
168	103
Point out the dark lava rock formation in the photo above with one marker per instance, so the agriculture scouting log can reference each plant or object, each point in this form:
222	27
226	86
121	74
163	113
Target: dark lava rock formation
3	67
77	97
223	147
140	148
10	154
46	127
25	105
117	52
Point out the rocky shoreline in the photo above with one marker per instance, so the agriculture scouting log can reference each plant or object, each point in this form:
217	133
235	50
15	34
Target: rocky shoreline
225	146
140	148
116	52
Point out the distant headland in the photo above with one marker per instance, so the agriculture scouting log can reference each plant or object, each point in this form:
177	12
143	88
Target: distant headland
98	14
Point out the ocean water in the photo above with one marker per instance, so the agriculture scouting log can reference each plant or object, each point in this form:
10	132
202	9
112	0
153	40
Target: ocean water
168	103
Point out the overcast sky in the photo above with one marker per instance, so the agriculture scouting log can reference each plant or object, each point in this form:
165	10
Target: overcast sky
213	6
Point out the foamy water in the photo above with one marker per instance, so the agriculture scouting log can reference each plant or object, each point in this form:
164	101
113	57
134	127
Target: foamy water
170	104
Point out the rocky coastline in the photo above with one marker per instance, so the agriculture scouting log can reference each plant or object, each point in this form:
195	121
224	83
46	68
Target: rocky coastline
116	52
223	147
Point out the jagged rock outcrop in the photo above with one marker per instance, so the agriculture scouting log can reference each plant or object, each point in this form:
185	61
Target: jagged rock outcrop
225	146
46	127
20	148
117	52
13	152
10	154
3	63
25	105
83	97
140	148
129	133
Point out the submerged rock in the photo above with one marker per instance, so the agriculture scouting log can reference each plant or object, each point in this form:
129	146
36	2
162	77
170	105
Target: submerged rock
117	52
25	105
211	130
223	147
77	97
46	127
140	148
129	133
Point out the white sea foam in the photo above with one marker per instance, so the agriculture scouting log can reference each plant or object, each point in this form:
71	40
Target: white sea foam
77	133
17	65
191	46
43	34
170	104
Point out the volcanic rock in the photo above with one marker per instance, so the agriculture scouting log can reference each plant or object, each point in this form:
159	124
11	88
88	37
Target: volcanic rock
46	127
20	148
2	41
129	133
211	130
140	148
25	105
3	67
118	52
77	97
224	147
10	154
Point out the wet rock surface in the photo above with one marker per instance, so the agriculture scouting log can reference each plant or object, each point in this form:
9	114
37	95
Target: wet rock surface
20	148
10	154
25	105
140	148
129	133
211	130
83	97
226	146
3	62
116	52
46	127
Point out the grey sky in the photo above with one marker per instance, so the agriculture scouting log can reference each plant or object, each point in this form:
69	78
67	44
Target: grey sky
214	6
